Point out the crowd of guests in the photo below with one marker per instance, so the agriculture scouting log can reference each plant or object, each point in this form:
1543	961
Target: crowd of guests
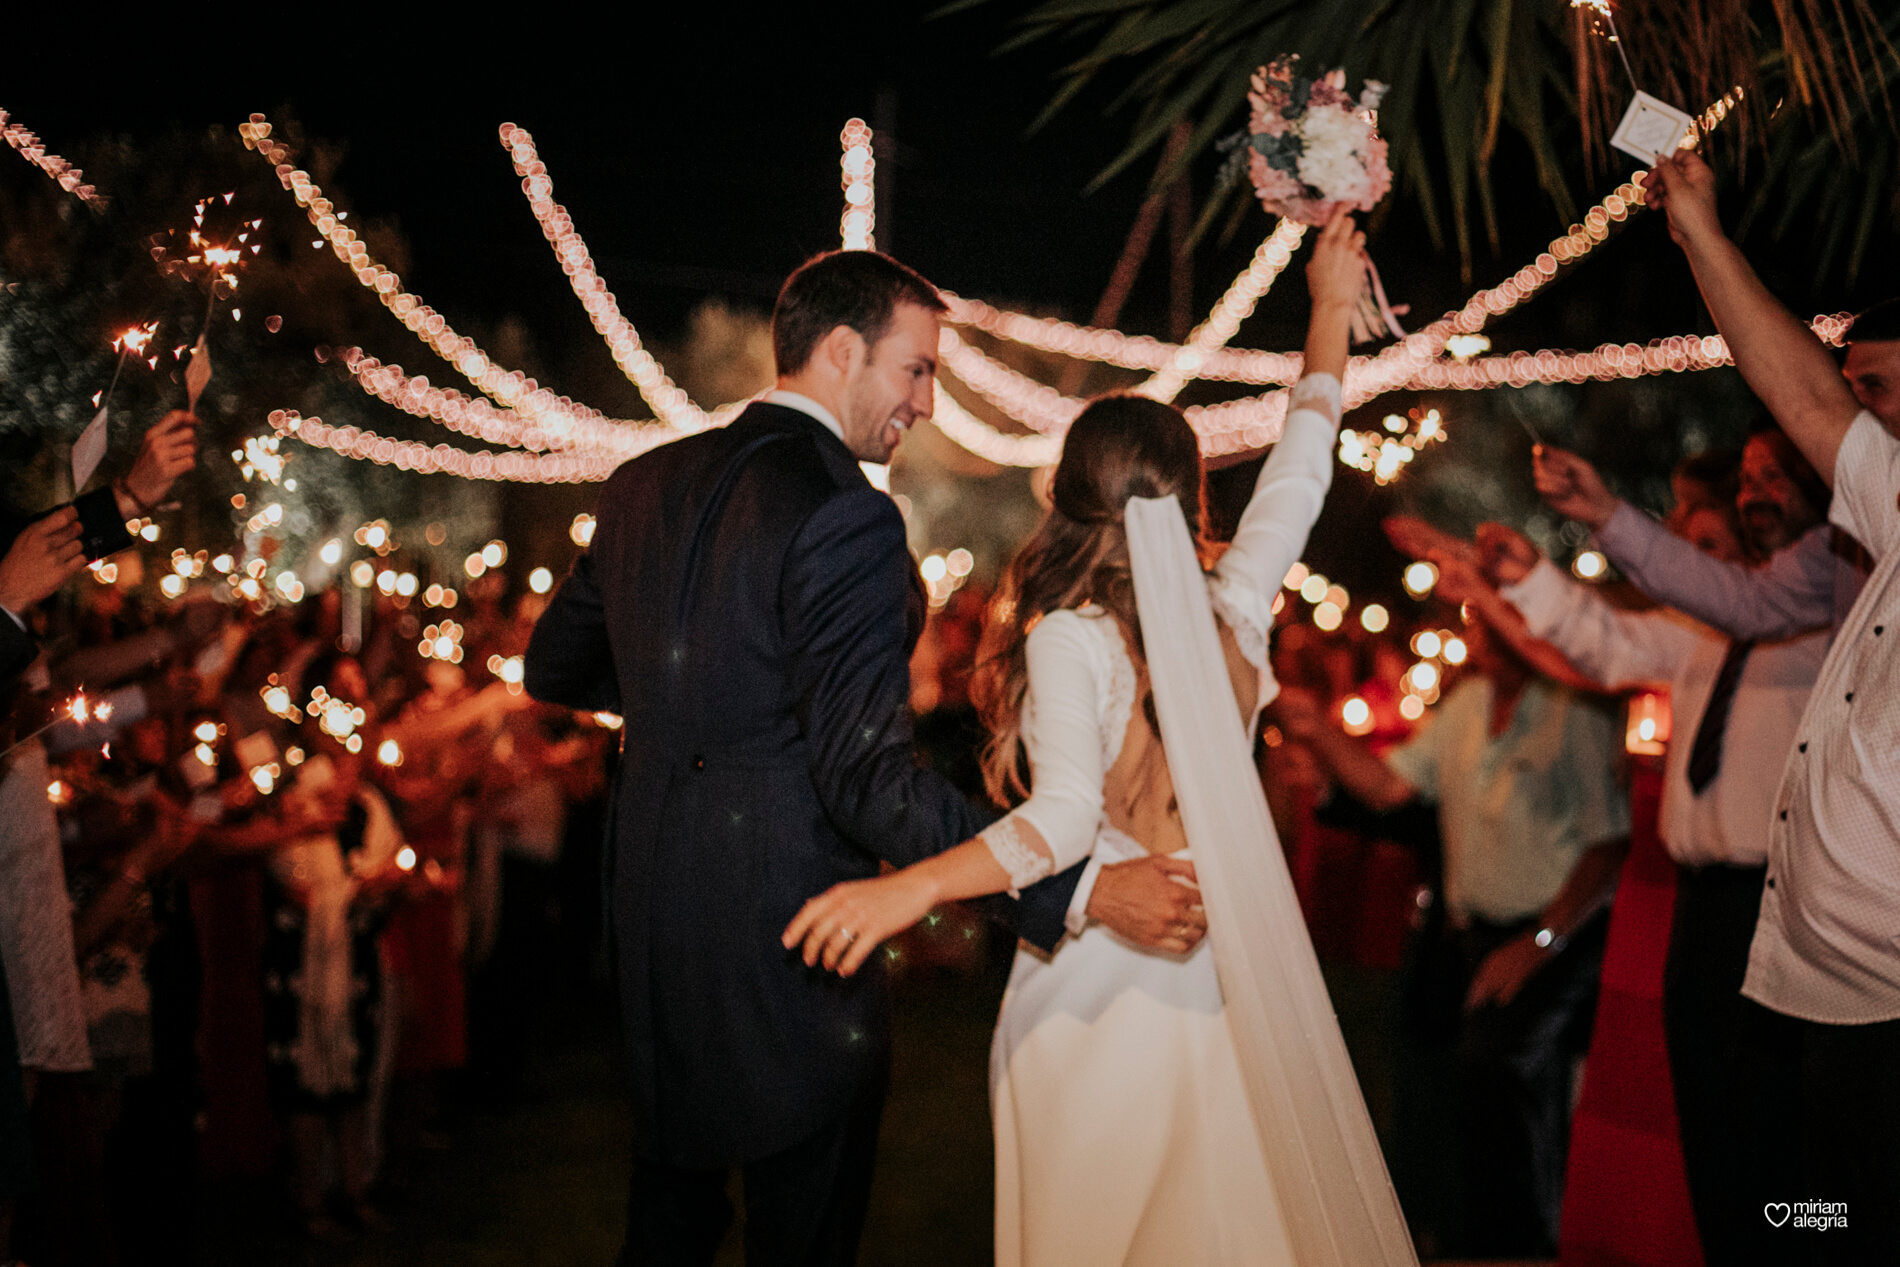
275	888
269	875
1759	606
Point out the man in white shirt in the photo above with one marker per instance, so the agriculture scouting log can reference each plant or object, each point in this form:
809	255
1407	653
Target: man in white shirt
1736	704
1827	947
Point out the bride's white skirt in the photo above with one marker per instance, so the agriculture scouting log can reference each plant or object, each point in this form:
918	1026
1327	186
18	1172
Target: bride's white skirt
1123	1135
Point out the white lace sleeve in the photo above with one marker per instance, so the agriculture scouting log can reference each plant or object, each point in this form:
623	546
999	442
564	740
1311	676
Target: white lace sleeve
1025	863
1062	733
1273	529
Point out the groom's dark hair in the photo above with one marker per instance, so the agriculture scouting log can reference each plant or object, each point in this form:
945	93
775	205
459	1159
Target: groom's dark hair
858	289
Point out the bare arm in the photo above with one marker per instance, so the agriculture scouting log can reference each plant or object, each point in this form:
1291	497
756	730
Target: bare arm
1347	759
419	728
845	923
1459	582
1782	361
1335	275
1587	889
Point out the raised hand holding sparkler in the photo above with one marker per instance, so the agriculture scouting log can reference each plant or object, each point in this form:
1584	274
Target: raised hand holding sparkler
91	445
170	449
1572	487
217	265
1651	128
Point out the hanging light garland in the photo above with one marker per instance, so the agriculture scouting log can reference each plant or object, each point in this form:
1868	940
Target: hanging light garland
986	441
1223	323
1035	404
857	226
1677	354
64	174
412	455
669	402
475	416
507	387
572	443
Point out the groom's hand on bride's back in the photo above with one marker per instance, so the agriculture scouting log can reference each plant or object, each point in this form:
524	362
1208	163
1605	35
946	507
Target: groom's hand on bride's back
1153	901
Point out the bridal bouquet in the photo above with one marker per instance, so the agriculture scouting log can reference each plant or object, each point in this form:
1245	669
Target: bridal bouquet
1311	149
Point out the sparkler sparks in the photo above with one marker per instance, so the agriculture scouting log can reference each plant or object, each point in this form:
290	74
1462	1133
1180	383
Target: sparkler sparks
78	710
1602	9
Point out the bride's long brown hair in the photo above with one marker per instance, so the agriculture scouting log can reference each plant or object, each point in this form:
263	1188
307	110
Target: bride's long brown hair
1118	447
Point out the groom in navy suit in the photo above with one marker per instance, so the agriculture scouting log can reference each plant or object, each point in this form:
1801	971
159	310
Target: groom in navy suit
749	604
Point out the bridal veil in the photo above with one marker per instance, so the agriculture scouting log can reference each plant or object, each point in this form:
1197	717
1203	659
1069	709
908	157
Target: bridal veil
1325	1161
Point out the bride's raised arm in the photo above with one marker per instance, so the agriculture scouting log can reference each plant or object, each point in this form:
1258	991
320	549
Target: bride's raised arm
1293	483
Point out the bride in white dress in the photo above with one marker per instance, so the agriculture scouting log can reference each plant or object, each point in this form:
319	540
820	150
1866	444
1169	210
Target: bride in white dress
1155	1108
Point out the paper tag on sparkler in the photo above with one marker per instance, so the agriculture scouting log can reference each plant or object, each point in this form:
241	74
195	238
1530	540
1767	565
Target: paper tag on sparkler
88	449
198	373
1651	129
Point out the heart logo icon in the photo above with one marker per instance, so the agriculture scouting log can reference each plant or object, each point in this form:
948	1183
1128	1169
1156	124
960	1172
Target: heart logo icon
1776	1212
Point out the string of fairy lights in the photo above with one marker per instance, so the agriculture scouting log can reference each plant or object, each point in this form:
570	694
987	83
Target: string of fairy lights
63	173
545	438
510	388
568	441
669	402
1418	362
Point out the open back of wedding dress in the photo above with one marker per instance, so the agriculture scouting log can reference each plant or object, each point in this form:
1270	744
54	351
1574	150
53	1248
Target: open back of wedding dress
1198	1109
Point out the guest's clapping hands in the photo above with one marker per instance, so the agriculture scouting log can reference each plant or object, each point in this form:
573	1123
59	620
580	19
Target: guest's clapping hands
1683	188
1508	555
845	923
170	449
42	558
1572	486
1153	901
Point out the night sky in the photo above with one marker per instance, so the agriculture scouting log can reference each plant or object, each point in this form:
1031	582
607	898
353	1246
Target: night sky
696	147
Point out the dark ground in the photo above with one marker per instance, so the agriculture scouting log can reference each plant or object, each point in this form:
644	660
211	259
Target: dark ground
543	1181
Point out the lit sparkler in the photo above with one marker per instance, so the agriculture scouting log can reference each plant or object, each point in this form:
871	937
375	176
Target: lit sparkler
1385	456
90	447
78	710
1602	9
216	264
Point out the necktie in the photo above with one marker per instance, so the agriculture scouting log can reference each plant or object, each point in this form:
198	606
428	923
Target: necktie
1705	754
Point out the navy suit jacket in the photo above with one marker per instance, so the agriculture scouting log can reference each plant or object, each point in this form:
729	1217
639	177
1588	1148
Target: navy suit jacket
749	604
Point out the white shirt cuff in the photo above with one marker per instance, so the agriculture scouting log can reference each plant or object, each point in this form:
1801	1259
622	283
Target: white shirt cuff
1078	917
1538	596
15	617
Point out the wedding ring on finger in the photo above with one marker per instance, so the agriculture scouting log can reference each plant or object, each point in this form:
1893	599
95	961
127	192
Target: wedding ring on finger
849	936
